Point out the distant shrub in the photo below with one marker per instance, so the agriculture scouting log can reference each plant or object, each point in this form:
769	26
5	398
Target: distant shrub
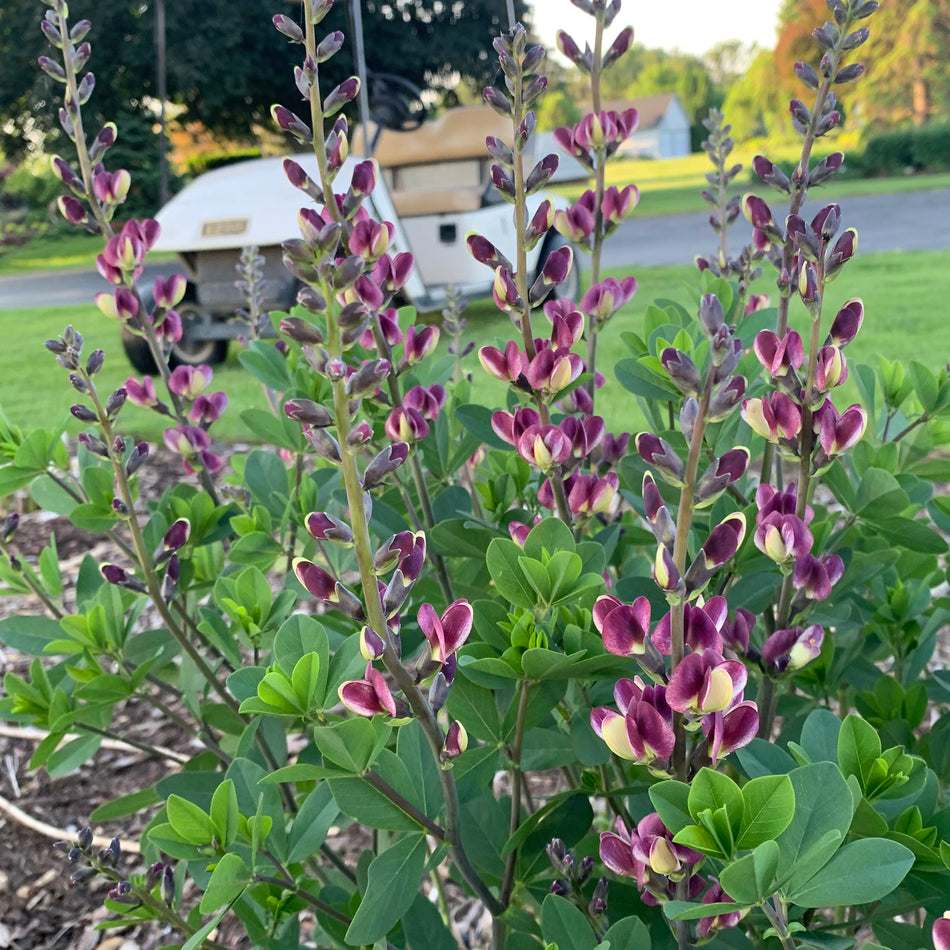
199	164
925	148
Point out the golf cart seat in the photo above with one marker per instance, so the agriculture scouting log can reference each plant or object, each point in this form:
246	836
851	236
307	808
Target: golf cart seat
441	167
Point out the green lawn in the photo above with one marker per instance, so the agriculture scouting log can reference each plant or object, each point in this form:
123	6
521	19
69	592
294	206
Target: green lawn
58	251
904	295
673	186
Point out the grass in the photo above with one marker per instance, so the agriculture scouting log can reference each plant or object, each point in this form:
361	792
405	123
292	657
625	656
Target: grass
61	250
904	294
673	186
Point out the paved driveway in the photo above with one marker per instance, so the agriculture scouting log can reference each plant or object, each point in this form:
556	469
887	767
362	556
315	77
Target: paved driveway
918	220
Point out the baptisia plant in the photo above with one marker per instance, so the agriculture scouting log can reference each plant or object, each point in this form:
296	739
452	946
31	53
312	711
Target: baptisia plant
401	608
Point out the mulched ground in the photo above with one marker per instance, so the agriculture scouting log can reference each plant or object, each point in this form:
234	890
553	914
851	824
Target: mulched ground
39	910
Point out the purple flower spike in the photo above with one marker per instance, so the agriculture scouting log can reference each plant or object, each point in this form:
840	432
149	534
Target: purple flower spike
705	683
624	627
369	696
384	464
682	371
122	578
318	582
643	729
837	433
701	626
815	577
447	633
847	322
324	527
941	932
778	356
783	537
660	454
775	416
456	742
731	730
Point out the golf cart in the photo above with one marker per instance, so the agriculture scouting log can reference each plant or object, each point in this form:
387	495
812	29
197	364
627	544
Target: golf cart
435	188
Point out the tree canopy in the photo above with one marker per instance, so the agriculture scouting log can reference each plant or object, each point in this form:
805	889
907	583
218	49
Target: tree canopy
226	64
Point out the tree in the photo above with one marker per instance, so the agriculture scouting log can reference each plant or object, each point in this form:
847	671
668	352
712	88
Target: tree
755	100
429	42
908	64
683	74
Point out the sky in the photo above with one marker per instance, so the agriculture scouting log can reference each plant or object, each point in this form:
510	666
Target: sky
692	26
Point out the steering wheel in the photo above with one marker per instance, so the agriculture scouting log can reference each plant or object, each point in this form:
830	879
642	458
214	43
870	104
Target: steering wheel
394	102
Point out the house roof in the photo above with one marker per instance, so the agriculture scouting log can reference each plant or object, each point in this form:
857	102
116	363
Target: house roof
650	109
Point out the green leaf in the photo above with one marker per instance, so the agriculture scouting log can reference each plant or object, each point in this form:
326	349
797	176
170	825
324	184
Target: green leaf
750	880
364	803
475	708
671	800
125	805
562	923
550	535
190	823
712	790
686	910
195	941
311	823
820	736
349	743
477	420
424	928
502	560
859	746
265	363
768	805
860	872
225	814
28	634
228	880
629	933
413	750
761	758
823	812
391	886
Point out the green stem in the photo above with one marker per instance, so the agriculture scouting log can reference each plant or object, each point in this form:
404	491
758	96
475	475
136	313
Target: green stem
776	916
404	805
600	186
152	582
508	881
684	518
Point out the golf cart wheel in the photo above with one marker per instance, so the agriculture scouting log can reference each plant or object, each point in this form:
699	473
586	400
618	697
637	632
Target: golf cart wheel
189	351
186	351
570	287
